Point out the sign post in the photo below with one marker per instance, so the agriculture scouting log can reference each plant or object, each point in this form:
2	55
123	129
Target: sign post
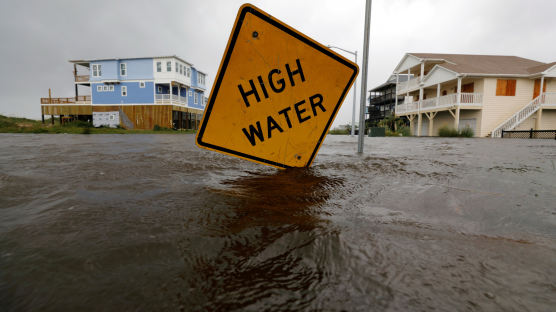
276	93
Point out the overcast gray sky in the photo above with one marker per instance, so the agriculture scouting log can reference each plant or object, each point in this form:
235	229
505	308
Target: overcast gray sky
39	37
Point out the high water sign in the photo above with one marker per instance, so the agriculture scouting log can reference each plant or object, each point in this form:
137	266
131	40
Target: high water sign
276	93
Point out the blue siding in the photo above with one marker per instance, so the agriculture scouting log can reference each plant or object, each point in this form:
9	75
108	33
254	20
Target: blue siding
193	77
109	70
137	69
191	99
134	94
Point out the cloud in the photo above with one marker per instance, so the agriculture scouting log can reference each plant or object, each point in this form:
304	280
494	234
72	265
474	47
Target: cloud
39	37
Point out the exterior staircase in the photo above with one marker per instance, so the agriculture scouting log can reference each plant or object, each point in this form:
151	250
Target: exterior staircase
519	117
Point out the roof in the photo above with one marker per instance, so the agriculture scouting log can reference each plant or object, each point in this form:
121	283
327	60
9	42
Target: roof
128	58
390	82
487	64
541	68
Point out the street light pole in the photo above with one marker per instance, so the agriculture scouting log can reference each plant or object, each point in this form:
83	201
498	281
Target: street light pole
363	99
354	90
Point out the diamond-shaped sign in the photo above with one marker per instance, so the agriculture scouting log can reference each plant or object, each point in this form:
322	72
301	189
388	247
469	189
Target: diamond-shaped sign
276	93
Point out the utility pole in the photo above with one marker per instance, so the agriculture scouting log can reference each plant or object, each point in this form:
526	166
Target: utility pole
363	99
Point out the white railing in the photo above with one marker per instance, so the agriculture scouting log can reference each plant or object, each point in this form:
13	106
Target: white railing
518	117
471	99
176	99
410	84
445	101
428	103
448	100
549	98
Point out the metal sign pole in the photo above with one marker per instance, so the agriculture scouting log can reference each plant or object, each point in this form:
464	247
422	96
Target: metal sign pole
354	102
363	99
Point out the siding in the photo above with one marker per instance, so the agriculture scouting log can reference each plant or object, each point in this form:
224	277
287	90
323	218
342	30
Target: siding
550	84
496	109
548	121
109	70
137	69
135	95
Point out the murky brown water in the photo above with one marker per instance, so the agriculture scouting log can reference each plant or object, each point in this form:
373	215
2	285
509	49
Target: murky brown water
150	222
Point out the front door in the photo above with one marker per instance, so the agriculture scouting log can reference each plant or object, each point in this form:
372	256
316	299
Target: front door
537	88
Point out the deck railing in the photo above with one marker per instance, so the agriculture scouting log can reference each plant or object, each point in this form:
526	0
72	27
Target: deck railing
66	100
82	78
176	99
549	98
445	101
410	84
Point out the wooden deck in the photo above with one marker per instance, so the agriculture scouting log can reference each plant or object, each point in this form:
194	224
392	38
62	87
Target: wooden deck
140	116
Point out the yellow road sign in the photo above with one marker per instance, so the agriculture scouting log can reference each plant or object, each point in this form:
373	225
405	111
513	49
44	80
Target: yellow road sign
276	93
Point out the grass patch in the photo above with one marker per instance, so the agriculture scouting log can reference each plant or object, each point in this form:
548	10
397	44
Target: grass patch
24	125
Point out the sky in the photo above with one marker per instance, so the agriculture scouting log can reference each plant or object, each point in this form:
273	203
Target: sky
39	37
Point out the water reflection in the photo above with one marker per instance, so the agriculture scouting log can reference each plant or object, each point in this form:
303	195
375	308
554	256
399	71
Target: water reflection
265	246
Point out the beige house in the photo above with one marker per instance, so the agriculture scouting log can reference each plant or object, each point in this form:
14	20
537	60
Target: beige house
487	93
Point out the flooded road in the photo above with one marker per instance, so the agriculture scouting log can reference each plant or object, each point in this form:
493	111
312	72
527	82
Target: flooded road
151	222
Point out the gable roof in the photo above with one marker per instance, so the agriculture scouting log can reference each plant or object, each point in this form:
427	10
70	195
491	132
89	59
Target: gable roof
391	82
486	64
541	68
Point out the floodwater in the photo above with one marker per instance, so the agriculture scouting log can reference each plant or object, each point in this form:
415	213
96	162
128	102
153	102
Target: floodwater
151	222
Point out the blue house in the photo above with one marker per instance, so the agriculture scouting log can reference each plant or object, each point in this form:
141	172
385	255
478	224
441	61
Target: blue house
135	93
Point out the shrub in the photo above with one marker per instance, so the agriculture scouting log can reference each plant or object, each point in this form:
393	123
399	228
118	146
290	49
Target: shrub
404	131
86	130
446	131
466	132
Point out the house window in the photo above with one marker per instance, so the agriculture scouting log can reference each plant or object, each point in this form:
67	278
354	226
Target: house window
190	93
176	64
111	88
141	84
188	72
195	98
97	72
505	87
168	66
105	88
124	91
444	92
99	88
123	69
158	67
159	89
181	69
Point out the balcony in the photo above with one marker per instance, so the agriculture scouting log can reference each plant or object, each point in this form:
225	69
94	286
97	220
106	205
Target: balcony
467	100
175	99
549	100
82	78
82	99
411	84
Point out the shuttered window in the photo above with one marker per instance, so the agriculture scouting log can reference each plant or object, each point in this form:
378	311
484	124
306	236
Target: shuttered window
505	87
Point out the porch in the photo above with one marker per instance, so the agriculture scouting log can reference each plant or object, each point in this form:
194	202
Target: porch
445	102
171	93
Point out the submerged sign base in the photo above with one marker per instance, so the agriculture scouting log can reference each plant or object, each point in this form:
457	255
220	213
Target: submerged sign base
276	93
